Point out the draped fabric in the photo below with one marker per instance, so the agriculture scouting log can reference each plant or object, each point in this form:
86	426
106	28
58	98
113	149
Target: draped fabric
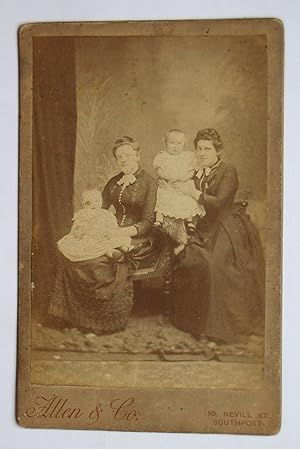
54	141
236	305
191	287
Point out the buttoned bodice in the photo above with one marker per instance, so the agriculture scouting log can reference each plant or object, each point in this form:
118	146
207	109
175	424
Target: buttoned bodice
135	203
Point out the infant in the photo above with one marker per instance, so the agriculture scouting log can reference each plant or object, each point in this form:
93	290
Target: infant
174	209
94	232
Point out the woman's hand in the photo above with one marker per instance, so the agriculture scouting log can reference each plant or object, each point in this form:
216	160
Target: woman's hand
128	231
188	189
162	183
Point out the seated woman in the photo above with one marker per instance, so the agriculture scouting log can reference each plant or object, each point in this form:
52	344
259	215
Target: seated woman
219	279
96	294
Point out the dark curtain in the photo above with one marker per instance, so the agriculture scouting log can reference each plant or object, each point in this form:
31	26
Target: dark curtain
54	140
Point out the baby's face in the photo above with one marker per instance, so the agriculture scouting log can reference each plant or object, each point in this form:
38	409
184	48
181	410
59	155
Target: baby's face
175	143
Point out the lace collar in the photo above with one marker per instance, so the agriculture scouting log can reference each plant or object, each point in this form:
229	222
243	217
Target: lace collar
127	180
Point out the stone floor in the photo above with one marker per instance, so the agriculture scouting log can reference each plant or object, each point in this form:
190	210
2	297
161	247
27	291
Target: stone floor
150	352
149	334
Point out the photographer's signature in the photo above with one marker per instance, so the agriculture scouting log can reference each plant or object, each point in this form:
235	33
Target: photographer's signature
59	407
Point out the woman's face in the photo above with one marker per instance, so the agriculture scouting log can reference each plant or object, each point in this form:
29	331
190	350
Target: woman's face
206	153
127	159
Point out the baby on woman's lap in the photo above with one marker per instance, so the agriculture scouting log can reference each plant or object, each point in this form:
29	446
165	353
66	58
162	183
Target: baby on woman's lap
94	232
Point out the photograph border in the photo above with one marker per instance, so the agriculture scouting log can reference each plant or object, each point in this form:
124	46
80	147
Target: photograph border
171	410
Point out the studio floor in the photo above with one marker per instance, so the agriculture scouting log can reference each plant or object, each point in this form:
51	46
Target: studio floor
149	353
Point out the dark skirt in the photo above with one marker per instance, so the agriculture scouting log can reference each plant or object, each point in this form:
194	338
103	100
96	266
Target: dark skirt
97	295
219	281
191	277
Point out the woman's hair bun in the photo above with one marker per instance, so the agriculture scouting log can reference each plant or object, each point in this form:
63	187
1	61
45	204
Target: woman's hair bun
126	140
212	135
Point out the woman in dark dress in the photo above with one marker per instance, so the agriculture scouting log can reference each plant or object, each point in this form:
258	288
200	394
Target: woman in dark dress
219	279
97	294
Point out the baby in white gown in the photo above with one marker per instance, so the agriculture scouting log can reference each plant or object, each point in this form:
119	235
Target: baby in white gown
94	232
173	208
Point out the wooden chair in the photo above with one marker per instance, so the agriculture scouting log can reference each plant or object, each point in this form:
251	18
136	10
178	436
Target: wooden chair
160	269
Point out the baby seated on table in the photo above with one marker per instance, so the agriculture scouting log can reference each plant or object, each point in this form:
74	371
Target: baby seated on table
94	232
174	210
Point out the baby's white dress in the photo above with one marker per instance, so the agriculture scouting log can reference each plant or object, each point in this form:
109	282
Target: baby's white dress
94	233
170	201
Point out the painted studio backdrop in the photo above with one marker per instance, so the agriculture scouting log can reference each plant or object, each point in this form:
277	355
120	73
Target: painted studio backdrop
97	89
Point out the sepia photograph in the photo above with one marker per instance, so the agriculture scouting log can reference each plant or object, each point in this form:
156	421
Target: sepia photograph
150	225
